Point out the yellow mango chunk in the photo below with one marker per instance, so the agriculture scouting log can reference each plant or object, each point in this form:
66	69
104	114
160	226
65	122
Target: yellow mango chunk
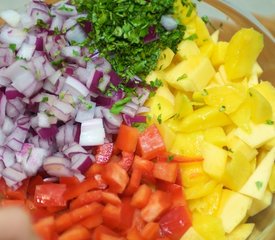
268	91
215	136
188	144
168	135
233	209
227	98
201	31
242	53
209	227
214	160
191	234
261	110
203	118
165	59
185	13
207	48
259	205
187	48
183	105
219	52
271	183
241	232
191	74
164	92
153	76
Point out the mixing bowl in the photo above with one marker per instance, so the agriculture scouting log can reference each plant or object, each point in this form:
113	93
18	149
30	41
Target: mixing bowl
229	16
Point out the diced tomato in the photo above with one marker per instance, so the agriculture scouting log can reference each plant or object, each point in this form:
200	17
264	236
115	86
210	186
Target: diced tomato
78	232
116	177
75	190
104	233
150	231
127	214
45	228
111	215
85	211
175	222
134	234
86	198
69	180
126	160
141	196
20	193
93	221
112	198
134	182
34	181
159	202
50	195
104	153
12	202
150	143
127	138
166	171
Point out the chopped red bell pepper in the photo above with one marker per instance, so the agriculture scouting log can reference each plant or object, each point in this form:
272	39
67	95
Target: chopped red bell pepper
78	232
166	171
150	143
151	231
45	228
104	153
175	222
50	195
127	138
111	215
141	196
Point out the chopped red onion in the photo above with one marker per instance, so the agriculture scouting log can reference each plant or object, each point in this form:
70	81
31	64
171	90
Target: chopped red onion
72	149
115	119
11	17
26	51
47	133
7	156
75	87
57	166
81	162
151	36
3	103
76	34
13	174
168	22
11	35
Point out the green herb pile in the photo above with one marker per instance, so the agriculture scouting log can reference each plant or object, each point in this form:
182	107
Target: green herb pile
119	28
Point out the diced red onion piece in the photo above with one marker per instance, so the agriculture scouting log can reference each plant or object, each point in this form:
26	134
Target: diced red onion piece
72	149
114	78
92	133
168	22
65	10
57	166
11	17
76	34
3	104
8	157
26	51
57	23
13	174
75	87
47	133
114	119
11	35
7	126
81	162
104	82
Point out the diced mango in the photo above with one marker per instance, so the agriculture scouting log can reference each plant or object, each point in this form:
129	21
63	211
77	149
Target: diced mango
168	135
203	118
191	74
153	76
261	110
268	91
227	98
185	13
257	182
186	49
214	160
207	48
219	52
259	205
242	53
183	105
241	232
164	92
233	209
201	31
271	183
165	59
191	234
209	227
188	144
215	135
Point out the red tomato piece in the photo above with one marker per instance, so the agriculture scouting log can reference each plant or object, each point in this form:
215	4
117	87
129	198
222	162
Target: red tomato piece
141	196
166	171
150	143
127	138
78	232
126	160
134	234
175	222
116	177
45	228
150	231
50	195
104	153
159	203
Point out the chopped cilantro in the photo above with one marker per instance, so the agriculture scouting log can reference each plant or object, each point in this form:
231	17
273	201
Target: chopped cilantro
40	23
269	122
65	8
119	105
159	119
204	92
159	106
57	62
259	184
222	108
86	103
12	46
192	37
205	19
45	99
140	126
119	29
76	53
24	67
156	84
182	77
170	158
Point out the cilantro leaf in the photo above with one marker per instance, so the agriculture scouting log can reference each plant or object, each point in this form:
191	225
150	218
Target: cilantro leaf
119	105
259	184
